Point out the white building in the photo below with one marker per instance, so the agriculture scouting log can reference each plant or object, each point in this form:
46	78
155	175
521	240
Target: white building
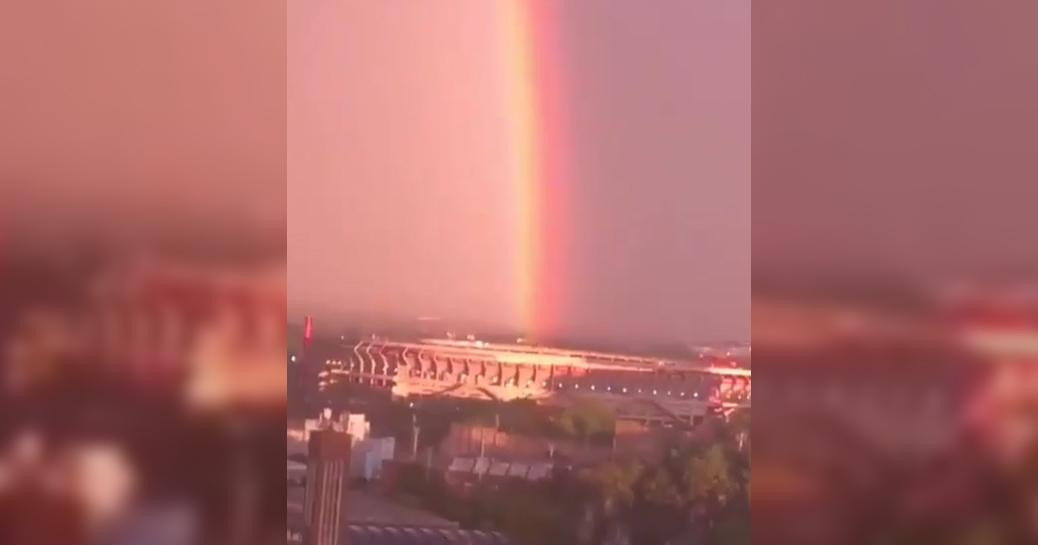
355	425
367	454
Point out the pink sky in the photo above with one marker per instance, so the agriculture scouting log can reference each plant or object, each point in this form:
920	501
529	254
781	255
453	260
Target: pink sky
399	200
125	121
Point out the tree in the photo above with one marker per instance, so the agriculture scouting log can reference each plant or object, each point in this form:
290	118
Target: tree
587	419
616	482
660	487
738	429
708	476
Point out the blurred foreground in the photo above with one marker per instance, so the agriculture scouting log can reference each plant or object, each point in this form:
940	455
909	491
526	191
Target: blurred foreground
897	416
143	402
142	251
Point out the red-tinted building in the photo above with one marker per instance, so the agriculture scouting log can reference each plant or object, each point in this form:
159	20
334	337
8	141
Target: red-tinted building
327	475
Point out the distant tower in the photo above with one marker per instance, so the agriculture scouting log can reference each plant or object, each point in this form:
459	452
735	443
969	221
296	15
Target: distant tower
327	469
308	335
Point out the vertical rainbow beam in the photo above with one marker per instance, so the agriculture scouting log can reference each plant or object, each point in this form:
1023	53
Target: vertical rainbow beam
539	174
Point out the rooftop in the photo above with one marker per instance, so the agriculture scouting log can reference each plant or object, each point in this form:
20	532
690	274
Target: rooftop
405	535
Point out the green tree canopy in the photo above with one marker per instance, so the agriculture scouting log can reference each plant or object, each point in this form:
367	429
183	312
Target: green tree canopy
587	419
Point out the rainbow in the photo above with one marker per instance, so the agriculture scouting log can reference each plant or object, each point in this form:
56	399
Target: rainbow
538	172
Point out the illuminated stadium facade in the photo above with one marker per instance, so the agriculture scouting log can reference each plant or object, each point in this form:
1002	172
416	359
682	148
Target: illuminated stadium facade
639	388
